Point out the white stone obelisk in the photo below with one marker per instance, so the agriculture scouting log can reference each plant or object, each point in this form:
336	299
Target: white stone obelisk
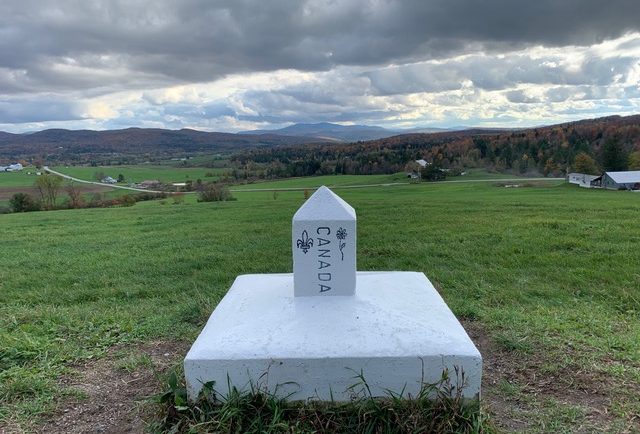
284	334
324	246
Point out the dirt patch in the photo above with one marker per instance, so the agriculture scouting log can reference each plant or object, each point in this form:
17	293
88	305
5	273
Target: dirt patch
113	394
592	391
7	192
113	391
495	368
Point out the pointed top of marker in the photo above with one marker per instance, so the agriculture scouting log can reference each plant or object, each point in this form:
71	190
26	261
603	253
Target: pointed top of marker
324	204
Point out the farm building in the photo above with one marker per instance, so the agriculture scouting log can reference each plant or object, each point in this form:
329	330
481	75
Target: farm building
581	179
629	180
11	168
150	184
109	180
415	167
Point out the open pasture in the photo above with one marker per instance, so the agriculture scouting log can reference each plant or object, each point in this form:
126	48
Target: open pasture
142	172
545	279
332	181
23	178
23	182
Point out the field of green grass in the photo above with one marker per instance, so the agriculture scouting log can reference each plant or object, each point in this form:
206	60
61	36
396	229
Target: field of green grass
546	279
328	180
483	174
355	180
17	179
138	173
24	182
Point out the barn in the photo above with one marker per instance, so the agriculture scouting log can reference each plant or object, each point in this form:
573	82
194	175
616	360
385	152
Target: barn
629	180
581	179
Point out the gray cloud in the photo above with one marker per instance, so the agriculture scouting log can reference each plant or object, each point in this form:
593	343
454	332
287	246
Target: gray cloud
37	110
520	97
124	44
370	61
495	73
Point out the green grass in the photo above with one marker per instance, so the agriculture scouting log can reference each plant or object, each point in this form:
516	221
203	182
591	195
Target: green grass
18	179
355	180
482	174
435	409
328	180
550	272
138	173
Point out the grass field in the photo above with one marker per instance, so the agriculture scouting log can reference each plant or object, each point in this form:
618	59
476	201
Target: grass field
329	181
23	182
138	173
354	180
18	179
545	278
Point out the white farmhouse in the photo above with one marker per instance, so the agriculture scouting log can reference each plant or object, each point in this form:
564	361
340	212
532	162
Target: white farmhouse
14	167
109	180
581	179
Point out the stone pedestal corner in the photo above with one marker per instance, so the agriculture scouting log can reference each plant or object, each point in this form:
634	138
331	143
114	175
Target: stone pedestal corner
394	330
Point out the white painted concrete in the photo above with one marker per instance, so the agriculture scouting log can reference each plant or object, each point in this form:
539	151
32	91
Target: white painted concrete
324	246
395	328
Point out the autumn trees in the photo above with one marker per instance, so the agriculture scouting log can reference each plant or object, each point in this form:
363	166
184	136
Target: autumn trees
584	163
48	186
585	146
23	202
614	157
75	196
634	160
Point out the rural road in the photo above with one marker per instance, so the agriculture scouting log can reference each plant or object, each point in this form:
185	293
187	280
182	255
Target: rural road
62	175
391	184
335	187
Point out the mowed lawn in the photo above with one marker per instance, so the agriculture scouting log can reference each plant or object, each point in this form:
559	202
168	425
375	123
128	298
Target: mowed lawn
545	278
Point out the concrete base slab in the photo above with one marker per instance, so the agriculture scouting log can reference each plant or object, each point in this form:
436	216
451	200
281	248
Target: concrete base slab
396	330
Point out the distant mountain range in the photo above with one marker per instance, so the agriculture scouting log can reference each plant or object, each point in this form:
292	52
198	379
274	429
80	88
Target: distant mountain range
341	133
61	144
133	145
64	144
549	150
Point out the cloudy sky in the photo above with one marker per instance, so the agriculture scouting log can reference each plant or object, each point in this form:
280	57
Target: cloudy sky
232	65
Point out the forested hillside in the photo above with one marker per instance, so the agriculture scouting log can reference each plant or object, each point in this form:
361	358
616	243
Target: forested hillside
129	145
609	142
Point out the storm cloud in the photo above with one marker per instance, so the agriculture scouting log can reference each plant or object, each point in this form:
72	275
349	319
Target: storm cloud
228	64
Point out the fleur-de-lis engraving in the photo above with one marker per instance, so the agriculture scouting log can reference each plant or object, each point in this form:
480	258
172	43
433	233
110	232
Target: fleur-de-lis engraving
341	235
305	243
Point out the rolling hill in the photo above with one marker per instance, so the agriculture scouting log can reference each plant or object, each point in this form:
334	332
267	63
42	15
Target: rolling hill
340	133
60	144
543	150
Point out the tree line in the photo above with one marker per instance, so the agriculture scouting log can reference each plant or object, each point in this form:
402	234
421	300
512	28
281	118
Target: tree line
51	187
611	143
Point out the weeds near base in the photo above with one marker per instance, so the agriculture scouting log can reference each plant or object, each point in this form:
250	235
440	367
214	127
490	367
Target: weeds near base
437	408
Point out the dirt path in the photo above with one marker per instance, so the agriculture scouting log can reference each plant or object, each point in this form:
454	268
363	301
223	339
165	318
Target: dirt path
114	390
392	184
335	187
